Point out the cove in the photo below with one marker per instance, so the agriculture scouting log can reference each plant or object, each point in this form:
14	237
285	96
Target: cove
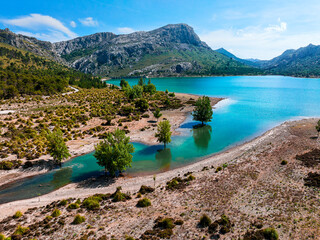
253	105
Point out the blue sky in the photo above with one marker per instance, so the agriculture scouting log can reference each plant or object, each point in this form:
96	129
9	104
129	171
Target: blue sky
247	28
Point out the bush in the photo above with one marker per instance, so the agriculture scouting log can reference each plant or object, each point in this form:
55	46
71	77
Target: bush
2	237
8	165
145	202
166	233
56	213
145	189
270	233
73	206
142	105
63	202
145	115
18	214
284	162
78	219
218	169
118	196
21	230
92	203
205	221
166	223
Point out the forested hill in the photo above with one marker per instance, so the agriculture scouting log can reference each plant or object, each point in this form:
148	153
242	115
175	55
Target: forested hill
22	72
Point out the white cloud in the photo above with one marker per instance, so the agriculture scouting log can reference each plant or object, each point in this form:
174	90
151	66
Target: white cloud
89	22
51	29
277	28
259	41
73	24
125	30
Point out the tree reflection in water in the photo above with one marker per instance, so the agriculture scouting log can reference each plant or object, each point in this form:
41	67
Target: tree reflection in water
202	136
164	158
61	177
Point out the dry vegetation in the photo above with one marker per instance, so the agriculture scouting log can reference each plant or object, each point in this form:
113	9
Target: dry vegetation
255	195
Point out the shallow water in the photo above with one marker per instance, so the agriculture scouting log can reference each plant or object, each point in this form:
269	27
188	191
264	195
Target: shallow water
253	105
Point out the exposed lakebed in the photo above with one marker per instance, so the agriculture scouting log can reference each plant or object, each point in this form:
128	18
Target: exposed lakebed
254	104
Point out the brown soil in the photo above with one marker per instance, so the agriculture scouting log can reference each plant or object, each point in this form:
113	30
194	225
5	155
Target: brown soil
254	191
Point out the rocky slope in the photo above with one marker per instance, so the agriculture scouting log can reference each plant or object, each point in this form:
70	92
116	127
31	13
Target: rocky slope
172	50
41	48
169	50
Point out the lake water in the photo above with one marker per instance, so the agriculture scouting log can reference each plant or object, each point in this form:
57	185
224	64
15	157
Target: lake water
252	106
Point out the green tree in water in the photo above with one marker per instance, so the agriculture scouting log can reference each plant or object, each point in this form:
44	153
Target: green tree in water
57	147
114	153
163	133
203	110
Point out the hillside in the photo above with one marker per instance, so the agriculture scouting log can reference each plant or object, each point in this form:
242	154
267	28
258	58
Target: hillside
22	72
172	50
304	62
249	62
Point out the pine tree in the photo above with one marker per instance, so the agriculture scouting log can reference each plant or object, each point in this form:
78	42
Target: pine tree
164	132
203	110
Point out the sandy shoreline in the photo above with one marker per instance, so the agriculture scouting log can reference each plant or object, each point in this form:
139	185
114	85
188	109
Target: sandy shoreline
230	156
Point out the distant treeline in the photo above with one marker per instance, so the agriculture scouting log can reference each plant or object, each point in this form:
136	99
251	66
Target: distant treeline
25	73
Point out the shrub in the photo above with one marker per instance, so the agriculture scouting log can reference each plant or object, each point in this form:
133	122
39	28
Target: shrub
191	178
21	230
118	196
145	115
92	203
73	206
270	233
145	202
129	238
56	213
145	189
166	233
18	214
213	227
63	202
78	219
166	223
205	221
284	162
2	237
218	169
142	105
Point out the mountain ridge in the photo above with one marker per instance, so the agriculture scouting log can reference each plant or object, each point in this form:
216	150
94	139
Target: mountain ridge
171	50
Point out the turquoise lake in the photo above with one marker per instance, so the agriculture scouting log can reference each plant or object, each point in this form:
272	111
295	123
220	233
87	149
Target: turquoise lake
253	105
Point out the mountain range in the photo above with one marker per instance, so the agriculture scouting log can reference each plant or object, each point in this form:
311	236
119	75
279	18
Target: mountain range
303	62
172	50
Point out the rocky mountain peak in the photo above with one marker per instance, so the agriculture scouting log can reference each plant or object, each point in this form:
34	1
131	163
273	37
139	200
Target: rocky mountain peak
179	33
